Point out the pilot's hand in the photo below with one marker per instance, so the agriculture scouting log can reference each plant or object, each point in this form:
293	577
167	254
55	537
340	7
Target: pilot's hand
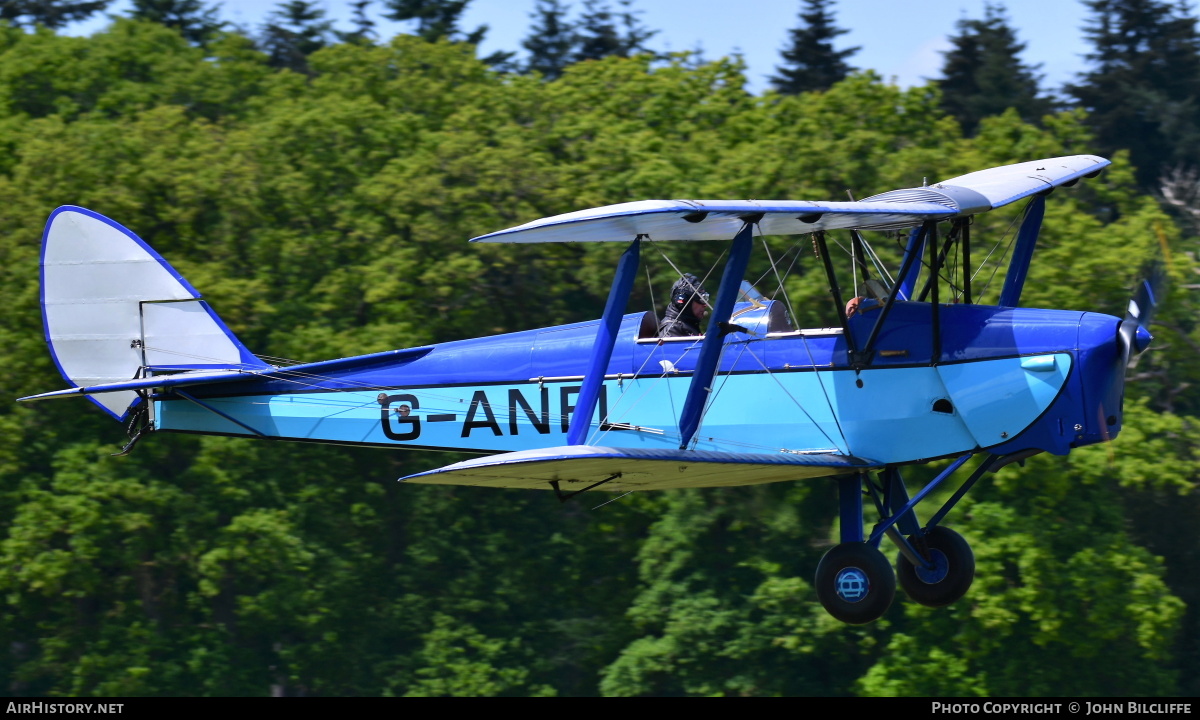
852	306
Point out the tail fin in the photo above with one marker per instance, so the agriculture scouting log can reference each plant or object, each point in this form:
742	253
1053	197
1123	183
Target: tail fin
114	310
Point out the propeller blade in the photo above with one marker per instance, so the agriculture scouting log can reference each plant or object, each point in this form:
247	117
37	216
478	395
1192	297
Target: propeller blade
1134	333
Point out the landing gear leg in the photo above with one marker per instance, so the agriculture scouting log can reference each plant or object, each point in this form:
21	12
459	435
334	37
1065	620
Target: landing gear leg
854	581
935	565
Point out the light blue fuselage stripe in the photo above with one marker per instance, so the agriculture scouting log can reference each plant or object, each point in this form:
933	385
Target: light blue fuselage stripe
890	418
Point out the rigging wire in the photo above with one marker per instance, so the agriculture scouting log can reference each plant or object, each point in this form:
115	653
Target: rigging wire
775	268
880	267
825	392
871	255
797	402
681	273
712	396
1012	237
650	285
725	379
853	268
599	433
611	501
280	360
510	412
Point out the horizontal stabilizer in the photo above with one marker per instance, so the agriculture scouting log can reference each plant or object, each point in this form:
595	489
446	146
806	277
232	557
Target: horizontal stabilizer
691	220
576	467
309	372
132	386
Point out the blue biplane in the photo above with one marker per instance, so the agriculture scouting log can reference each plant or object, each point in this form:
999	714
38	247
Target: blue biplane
608	405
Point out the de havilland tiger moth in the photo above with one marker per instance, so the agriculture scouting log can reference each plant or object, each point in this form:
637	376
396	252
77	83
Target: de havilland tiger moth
920	372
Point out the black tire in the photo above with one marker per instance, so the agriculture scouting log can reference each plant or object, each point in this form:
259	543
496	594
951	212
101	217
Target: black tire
855	583
952	577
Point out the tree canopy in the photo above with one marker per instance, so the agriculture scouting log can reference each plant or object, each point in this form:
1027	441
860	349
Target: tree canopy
194	20
810	61
295	30
49	13
983	75
1141	91
324	213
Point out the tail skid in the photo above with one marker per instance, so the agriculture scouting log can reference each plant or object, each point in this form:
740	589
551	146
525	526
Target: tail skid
114	310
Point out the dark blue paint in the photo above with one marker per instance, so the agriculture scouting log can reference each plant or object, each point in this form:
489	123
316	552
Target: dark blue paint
850	508
710	350
936	571
901	513
602	346
1027	237
1091	396
913	249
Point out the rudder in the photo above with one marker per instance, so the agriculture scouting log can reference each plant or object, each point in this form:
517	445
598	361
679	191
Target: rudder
113	309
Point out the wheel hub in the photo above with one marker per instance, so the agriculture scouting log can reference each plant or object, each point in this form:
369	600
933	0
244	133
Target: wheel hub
938	568
852	584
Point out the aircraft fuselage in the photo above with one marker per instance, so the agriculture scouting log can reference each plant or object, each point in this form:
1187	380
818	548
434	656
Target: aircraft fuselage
1004	379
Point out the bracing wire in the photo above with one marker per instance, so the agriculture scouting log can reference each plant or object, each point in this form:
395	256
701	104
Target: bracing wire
650	285
704	280
1012	237
854	268
782	290
825	393
507	413
880	267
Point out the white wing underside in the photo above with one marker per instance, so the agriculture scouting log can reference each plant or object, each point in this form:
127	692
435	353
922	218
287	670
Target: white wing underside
576	467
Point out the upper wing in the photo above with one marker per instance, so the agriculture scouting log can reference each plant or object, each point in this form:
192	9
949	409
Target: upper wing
688	220
1003	185
625	469
717	220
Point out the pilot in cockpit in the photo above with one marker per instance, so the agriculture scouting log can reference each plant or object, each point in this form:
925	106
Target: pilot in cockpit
688	306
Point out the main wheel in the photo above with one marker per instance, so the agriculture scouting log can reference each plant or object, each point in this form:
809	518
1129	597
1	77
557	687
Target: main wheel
949	578
855	583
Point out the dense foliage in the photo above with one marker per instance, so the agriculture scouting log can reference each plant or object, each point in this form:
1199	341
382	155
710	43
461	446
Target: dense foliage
325	213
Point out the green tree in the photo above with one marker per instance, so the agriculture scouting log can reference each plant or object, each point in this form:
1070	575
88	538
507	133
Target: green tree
364	26
326	216
191	18
1141	91
295	30
601	32
50	13
983	74
551	40
810	61
436	19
